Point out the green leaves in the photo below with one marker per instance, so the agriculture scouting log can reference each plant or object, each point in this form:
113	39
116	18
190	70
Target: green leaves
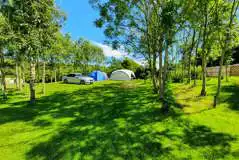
6	3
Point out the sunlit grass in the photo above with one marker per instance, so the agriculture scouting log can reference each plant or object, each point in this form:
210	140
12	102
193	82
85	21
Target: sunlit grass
120	120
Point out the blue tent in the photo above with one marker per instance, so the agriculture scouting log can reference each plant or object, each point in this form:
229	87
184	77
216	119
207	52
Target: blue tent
98	75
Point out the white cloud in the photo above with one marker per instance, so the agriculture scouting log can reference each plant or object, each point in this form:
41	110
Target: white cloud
110	52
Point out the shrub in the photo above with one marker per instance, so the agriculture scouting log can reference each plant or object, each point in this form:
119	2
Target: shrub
176	77
198	72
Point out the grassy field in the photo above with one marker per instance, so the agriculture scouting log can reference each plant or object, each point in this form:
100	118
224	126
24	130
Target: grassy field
120	120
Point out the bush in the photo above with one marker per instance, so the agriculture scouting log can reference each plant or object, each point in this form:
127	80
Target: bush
142	73
176	77
198	73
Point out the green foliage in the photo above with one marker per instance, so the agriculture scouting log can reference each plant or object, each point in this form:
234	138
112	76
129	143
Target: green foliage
114	64
176	76
86	54
142	73
198	72
130	64
34	23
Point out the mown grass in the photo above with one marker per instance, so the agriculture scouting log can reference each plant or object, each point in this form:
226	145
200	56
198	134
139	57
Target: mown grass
120	120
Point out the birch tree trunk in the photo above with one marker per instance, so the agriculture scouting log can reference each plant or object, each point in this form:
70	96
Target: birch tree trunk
165	75
17	75
3	78
161	74
190	58
23	76
219	80
44	78
55	79
51	76
195	62
32	82
183	67
195	70
203	91
154	73
20	77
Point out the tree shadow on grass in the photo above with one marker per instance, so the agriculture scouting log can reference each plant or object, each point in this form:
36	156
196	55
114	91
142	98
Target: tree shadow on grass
107	124
203	136
233	98
215	145
12	114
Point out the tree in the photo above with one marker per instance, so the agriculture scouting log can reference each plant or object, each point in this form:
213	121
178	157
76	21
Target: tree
226	40
6	36
87	54
114	64
129	64
144	27
31	21
131	24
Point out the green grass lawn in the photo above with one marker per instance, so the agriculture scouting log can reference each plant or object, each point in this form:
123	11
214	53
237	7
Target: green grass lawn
120	120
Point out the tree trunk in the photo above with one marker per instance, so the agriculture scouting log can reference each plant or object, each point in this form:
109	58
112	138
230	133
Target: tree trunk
17	76
37	68
3	78
227	80
23	76
32	83
204	64
195	62
165	78
161	75
154	74
189	68
59	73
195	70
44	78
190	57
183	67
204	71
51	76
219	80
20	77
55	73
4	86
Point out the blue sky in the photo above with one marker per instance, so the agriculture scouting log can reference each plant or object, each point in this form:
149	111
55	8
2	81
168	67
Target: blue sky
80	23
80	20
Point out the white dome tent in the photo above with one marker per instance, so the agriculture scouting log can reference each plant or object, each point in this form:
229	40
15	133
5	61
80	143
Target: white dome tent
122	75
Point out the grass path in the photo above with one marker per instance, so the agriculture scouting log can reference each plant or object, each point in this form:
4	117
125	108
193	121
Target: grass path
120	120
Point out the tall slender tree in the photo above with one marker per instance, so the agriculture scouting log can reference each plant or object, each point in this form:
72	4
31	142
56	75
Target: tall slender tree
226	40
6	39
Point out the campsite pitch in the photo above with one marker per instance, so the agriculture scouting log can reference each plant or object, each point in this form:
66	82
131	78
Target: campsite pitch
120	120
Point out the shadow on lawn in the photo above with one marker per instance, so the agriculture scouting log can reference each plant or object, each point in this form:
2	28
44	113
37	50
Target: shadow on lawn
216	145
233	99
109	122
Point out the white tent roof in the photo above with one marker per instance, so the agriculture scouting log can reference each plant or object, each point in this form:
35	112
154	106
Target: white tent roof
128	72
122	74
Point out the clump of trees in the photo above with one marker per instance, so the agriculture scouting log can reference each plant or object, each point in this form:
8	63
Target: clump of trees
31	40
179	33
